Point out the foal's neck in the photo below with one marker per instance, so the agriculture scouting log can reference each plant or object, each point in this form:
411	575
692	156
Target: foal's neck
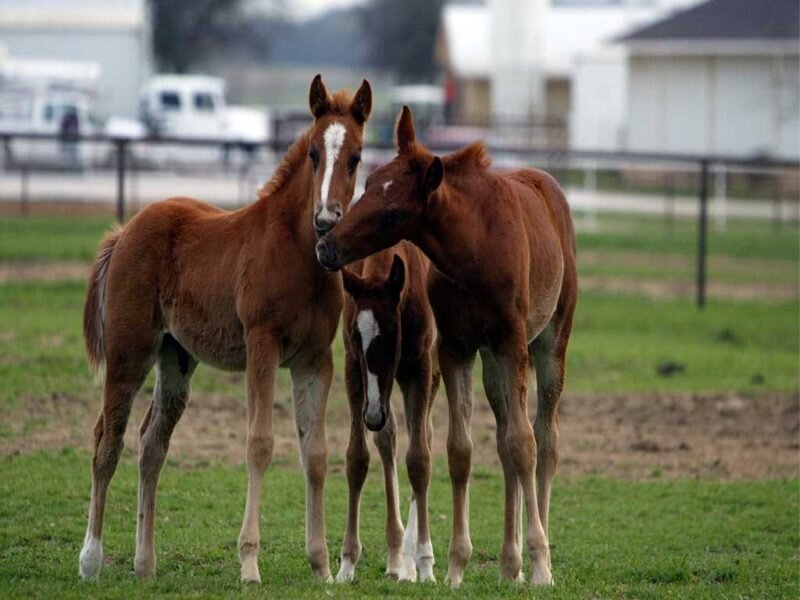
454	234
288	196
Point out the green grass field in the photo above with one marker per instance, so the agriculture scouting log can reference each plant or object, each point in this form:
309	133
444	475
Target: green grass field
612	537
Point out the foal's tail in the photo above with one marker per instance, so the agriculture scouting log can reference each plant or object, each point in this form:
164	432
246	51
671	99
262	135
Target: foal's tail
94	307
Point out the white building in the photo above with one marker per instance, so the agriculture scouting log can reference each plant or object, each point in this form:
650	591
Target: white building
112	33
722	78
526	51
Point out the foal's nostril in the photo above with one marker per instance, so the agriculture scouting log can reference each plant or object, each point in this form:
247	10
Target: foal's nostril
322	227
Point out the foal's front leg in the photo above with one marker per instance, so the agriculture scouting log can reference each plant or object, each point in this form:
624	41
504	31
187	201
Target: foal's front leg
457	376
418	398
357	468
262	364
386	441
311	381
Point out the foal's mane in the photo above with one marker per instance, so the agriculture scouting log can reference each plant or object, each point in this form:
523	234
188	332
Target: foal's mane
474	156
293	158
297	152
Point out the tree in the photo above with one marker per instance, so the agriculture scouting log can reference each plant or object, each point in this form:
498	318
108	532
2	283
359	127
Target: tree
186	32
401	36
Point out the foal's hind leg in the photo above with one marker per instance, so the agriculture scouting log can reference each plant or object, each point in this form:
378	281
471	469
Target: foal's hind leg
174	371
521	443
357	468
547	353
494	384
386	441
128	363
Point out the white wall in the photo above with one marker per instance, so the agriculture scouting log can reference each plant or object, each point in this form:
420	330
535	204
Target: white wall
517	42
731	105
598	101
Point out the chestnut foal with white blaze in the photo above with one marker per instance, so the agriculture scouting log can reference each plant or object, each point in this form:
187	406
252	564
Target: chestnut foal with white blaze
184	282
389	334
504	284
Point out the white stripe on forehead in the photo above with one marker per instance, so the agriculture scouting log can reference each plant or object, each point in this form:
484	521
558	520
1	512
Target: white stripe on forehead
367	327
333	139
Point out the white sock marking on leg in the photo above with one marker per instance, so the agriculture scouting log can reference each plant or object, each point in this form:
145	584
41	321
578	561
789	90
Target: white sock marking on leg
91	558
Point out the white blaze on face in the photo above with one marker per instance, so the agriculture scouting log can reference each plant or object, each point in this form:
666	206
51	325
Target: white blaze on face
386	185
333	139
369	330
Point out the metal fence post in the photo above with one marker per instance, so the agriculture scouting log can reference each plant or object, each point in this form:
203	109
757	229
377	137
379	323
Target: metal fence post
590	188
24	195
121	148
702	234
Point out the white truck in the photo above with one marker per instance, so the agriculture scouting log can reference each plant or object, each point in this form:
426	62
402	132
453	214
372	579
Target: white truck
194	106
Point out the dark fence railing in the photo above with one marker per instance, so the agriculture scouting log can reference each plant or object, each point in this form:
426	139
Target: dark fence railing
697	163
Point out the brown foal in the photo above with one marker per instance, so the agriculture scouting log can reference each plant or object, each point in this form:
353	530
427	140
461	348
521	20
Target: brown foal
184	282
504	284
389	334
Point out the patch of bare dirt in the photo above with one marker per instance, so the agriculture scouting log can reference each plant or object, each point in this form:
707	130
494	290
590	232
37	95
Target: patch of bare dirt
43	271
630	436
660	288
678	262
652	288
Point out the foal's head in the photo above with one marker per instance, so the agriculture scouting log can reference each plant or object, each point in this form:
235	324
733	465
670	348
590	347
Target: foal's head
375	336
393	205
334	149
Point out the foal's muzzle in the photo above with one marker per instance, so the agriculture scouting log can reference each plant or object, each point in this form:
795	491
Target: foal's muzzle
328	256
322	226
375	421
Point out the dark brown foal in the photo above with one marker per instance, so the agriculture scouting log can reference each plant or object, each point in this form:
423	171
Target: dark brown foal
504	284
184	282
389	334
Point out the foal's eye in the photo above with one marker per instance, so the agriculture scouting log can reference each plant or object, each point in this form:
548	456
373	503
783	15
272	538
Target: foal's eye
352	162
313	154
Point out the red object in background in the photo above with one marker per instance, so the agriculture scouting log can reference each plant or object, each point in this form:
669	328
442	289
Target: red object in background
450	91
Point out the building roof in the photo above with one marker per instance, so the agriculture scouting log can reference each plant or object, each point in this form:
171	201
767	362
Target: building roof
764	20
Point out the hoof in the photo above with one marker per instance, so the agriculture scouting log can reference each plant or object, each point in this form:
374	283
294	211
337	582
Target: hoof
427	577
542	576
454	581
91	559
408	574
347	572
250	572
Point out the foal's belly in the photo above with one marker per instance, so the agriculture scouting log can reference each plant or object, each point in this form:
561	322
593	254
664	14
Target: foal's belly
218	342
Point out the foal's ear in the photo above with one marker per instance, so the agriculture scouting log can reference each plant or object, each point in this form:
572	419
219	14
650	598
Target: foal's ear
434	173
397	277
318	100
406	135
353	284
361	106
